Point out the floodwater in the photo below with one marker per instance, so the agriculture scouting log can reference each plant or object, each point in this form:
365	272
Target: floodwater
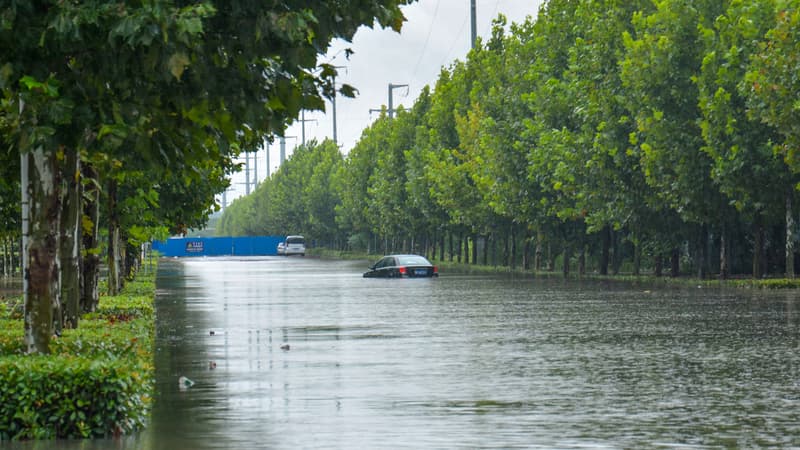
462	361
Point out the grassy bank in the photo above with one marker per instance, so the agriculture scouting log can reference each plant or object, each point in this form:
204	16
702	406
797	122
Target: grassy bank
98	379
650	280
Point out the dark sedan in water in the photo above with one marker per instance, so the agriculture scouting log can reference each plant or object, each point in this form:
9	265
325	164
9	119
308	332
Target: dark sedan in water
396	266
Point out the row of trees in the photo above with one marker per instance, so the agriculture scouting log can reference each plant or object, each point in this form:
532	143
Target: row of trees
137	110
608	131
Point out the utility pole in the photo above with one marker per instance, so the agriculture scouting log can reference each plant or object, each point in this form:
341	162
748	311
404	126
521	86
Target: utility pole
283	148
267	152
391	105
333	102
255	168
303	121
474	17
246	173
225	198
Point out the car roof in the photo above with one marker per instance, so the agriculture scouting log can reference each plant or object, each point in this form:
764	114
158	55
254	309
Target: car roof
405	255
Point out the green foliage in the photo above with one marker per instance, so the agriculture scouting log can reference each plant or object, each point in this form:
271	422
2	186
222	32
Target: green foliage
97	381
769	283
75	397
299	198
772	83
633	130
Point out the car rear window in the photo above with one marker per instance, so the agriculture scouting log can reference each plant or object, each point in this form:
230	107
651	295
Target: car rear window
295	240
412	261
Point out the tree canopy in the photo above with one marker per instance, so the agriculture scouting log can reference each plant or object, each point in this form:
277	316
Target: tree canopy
150	102
610	132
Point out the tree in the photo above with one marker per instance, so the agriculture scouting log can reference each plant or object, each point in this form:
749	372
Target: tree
771	87
745	168
172	85
319	194
351	182
663	58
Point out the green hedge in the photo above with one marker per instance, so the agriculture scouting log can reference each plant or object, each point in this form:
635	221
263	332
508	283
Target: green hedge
97	381
45	397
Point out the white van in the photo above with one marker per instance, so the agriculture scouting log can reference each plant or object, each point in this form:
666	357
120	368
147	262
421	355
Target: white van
292	245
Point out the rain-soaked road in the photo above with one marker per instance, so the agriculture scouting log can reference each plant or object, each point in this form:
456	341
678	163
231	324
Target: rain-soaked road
462	362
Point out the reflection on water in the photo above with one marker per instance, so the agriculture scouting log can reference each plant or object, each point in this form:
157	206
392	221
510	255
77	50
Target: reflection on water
462	361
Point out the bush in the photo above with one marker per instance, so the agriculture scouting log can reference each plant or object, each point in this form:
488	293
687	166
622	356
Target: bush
11	337
124	307
45	397
769	283
97	381
11	308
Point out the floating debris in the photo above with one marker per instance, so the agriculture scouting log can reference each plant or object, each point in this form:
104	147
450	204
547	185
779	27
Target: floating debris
184	383
285	347
212	365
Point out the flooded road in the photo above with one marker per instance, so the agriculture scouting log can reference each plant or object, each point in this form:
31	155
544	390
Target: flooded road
463	361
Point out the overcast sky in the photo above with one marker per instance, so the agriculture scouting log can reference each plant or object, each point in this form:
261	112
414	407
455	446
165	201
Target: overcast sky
436	33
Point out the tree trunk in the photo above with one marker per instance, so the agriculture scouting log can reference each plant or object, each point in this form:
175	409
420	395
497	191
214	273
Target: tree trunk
567	256
450	240
724	263
526	252
637	258
41	185
114	250
459	245
702	258
675	259
582	261
604	250
790	236
758	252
658	265
486	240
90	261
70	243
537	254
6	258
506	251
513	261
474	249
616	253
131	257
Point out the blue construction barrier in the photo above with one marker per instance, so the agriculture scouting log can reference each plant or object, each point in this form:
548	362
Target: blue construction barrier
219	246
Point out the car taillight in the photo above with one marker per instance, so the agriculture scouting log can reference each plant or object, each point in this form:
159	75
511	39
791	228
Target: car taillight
402	270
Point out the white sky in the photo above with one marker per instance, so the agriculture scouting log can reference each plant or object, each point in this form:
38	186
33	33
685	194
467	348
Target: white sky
435	34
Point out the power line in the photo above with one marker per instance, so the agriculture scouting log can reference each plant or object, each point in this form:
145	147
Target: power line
455	41
427	39
491	18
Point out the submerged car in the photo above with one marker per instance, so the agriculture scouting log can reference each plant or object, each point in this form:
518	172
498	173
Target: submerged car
396	266
292	245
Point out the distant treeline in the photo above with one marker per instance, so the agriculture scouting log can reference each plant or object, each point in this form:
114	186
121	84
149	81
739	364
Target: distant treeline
605	135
